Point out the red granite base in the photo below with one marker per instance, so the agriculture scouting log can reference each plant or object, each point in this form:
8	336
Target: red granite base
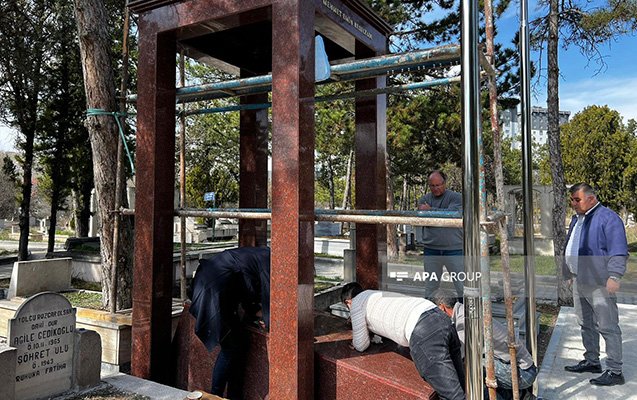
382	372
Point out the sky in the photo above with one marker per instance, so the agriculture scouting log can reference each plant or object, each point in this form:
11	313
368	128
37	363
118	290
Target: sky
581	84
7	139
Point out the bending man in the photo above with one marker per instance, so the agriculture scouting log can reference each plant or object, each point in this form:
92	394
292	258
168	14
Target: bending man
527	371
412	322
231	278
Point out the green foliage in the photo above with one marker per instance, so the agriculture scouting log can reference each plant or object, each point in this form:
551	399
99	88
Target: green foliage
212	147
423	133
598	149
9	183
511	163
629	178
587	25
334	130
604	23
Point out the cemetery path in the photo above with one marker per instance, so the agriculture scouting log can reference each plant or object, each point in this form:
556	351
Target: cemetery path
565	348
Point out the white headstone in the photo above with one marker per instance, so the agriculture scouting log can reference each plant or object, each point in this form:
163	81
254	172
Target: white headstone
42	332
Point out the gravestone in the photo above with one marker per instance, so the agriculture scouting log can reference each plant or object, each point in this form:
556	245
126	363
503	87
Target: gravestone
326	228
35	276
42	333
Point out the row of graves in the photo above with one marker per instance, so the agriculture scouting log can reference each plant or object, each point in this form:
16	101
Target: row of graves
45	354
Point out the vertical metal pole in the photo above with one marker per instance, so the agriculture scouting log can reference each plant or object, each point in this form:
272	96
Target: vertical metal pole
182	182
527	181
471	200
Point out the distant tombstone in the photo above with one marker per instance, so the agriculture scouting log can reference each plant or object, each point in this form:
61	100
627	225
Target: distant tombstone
42	332
44	225
326	228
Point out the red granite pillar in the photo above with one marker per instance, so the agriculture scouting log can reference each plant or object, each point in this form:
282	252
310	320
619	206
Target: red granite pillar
253	175
291	333
371	138
154	208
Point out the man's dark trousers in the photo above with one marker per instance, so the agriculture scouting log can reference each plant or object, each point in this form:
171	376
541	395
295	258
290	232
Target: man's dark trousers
435	349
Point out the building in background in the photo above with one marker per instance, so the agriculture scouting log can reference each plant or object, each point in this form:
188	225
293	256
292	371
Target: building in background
511	127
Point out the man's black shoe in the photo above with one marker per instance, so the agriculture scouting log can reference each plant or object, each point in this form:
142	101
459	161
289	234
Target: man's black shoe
584	366
609	378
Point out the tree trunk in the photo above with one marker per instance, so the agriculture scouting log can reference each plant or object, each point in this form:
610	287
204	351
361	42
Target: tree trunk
555	155
331	185
82	209
91	18
392	240
55	199
499	184
404	196
25	203
348	181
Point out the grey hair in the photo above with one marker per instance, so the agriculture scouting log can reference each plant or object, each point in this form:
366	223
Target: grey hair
585	187
444	297
440	173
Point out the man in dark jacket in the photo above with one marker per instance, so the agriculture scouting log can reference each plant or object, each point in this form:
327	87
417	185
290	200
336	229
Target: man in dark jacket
229	279
595	258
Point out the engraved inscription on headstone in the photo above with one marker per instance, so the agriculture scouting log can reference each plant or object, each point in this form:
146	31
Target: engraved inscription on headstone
42	333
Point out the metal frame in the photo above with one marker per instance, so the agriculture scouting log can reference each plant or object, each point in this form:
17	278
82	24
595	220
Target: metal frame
367	68
449	219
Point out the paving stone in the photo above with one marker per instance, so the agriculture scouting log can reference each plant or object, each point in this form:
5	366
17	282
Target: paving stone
565	348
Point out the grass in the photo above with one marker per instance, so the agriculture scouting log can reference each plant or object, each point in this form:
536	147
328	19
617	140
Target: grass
81	284
544	265
320	286
325	255
84	299
327	278
548	317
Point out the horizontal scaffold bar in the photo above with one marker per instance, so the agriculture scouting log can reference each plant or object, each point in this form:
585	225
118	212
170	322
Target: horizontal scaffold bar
320	99
360	69
449	219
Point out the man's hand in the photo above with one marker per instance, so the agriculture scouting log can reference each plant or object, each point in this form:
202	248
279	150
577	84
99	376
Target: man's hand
424	207
612	286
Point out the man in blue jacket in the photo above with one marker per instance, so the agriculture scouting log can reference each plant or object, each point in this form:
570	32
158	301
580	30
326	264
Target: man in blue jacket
595	258
233	282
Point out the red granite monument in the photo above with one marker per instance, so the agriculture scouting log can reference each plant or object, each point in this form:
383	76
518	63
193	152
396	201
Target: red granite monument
253	38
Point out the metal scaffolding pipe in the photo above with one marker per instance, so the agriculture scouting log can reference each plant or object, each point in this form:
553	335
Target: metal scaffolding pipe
451	219
370	219
320	99
471	199
370	67
527	181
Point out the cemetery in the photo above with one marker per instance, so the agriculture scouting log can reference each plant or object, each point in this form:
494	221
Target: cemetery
150	232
